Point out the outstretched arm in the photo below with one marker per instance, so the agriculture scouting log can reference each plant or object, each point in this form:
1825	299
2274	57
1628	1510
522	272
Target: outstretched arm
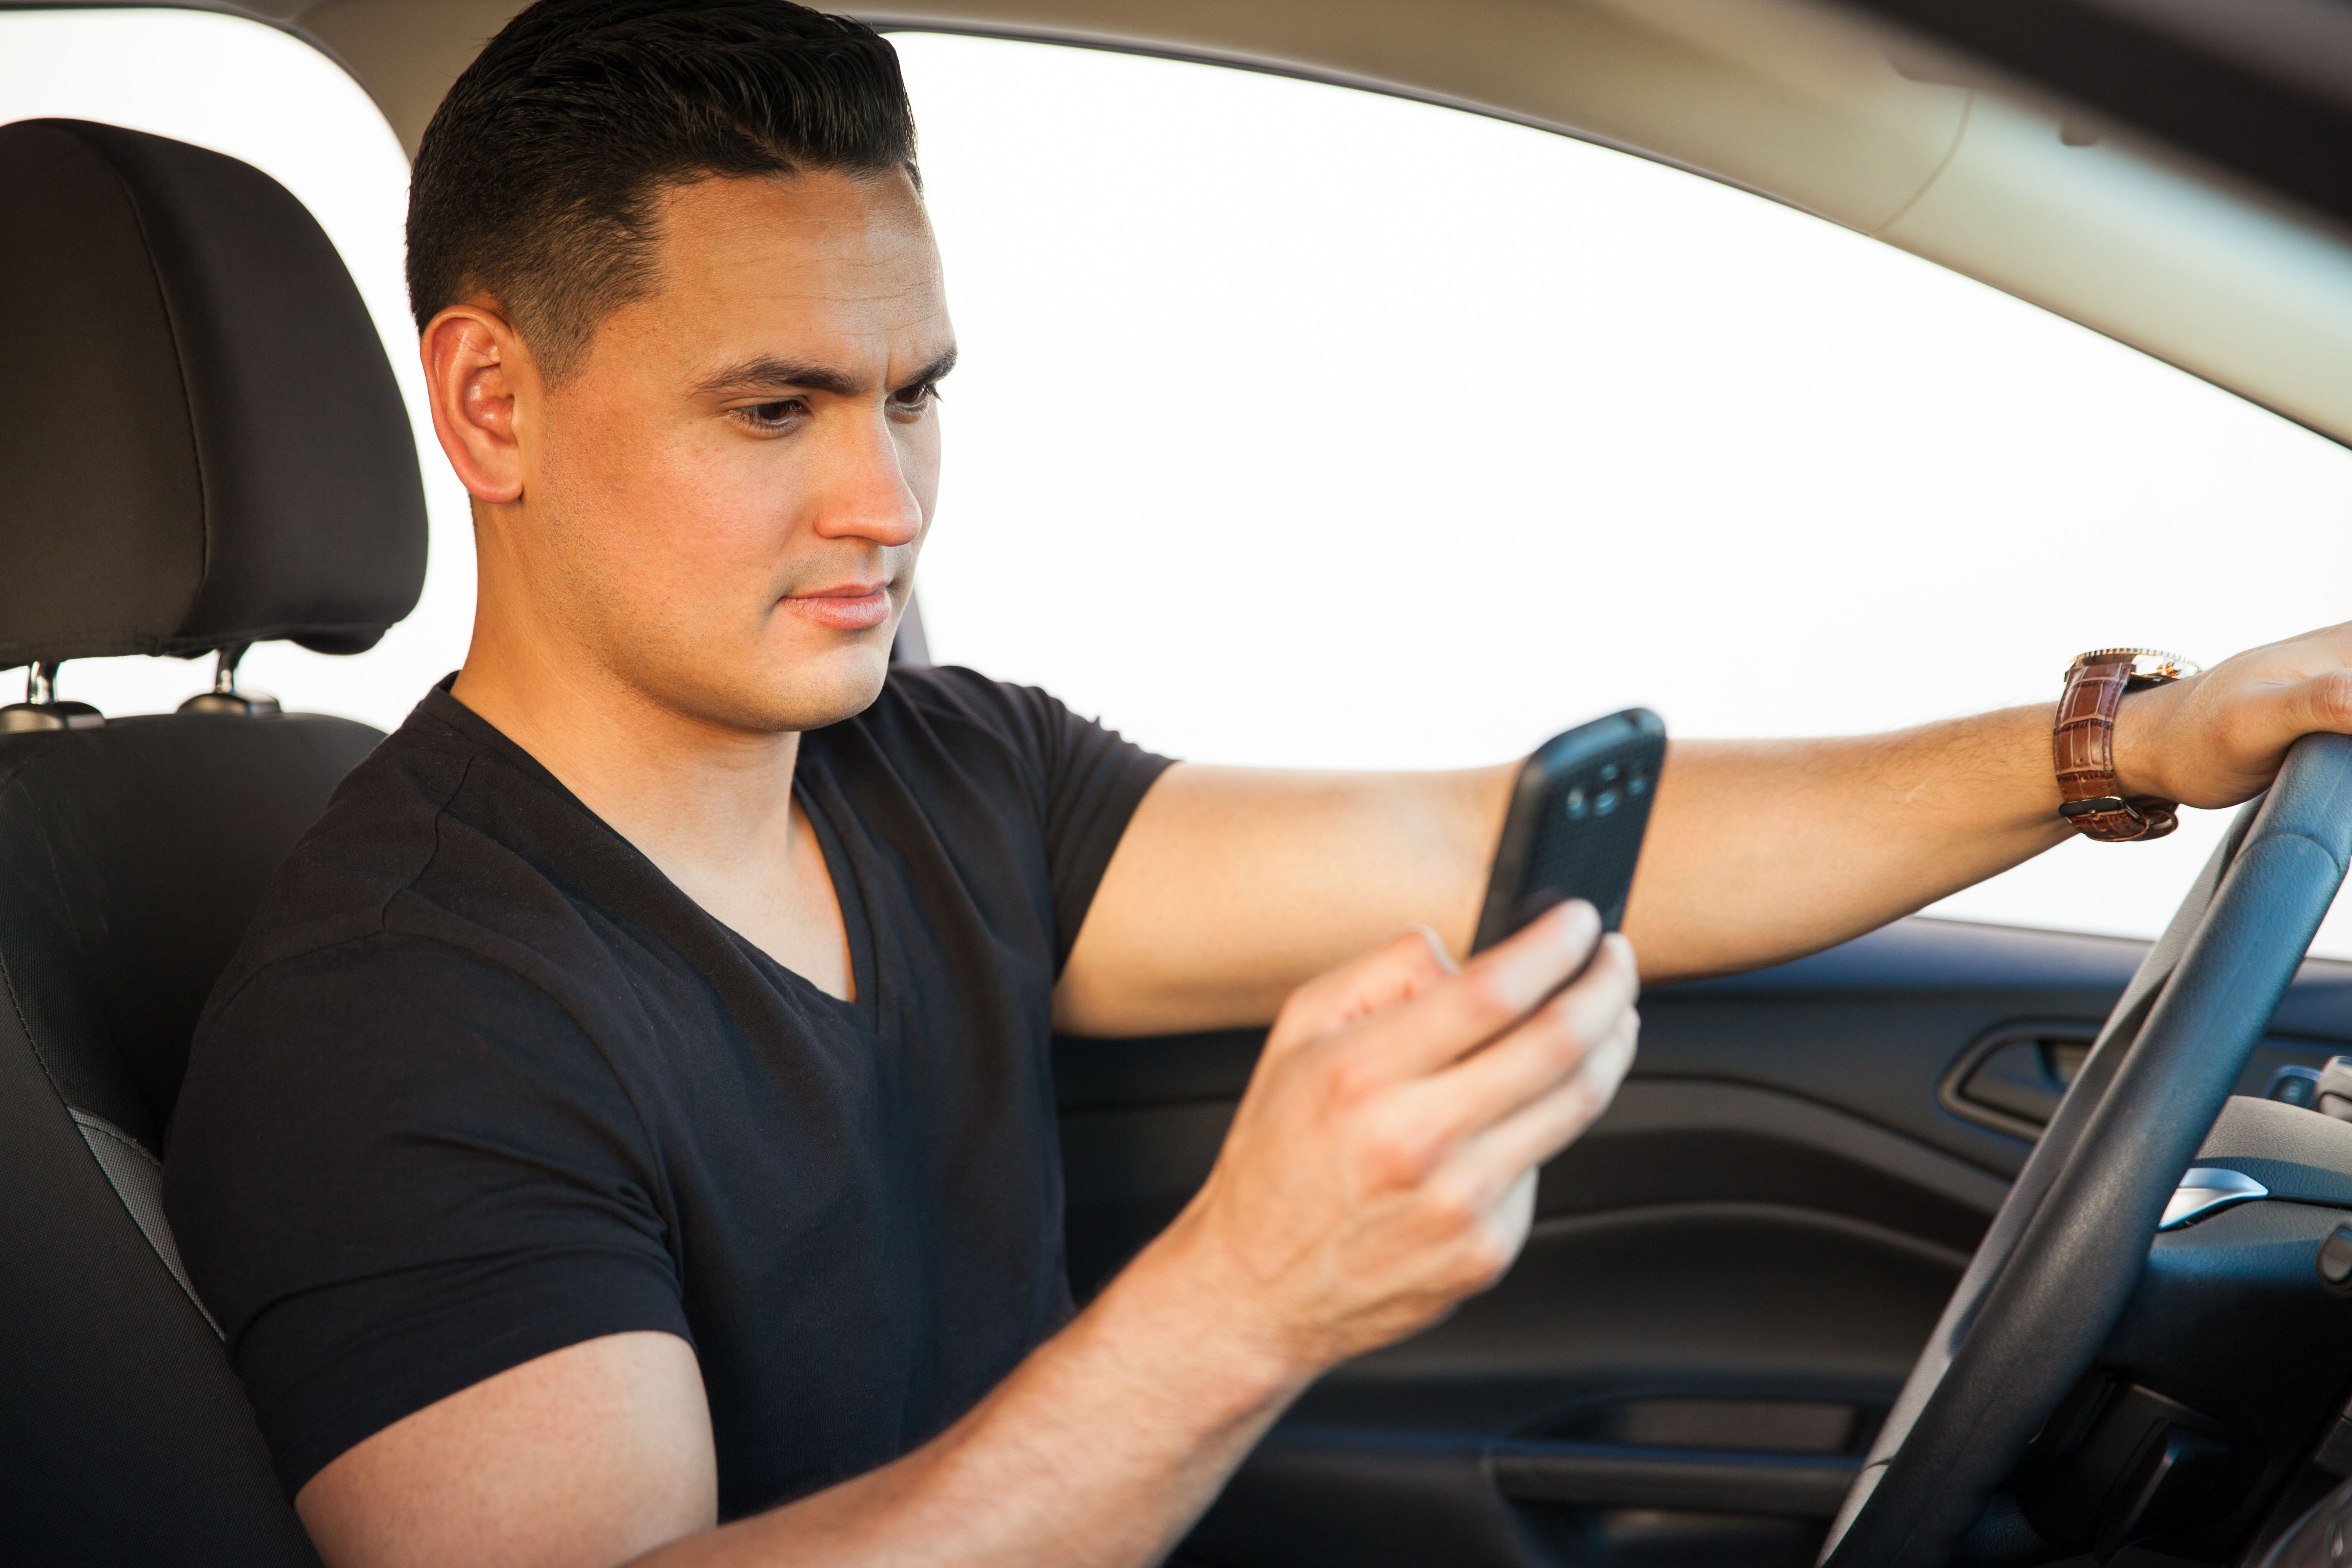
1233	884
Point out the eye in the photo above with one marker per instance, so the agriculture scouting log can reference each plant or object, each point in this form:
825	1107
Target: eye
769	416
916	398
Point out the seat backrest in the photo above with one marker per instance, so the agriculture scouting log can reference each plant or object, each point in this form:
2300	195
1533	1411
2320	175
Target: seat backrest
220	457
126	1438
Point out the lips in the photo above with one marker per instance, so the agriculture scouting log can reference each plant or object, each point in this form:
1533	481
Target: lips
851	607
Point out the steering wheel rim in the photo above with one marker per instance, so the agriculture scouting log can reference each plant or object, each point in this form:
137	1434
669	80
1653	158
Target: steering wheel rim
2061	1259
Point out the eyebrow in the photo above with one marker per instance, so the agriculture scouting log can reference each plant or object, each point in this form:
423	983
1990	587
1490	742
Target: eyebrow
767	374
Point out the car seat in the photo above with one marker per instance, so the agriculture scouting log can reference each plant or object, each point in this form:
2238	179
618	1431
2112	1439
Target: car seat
201	446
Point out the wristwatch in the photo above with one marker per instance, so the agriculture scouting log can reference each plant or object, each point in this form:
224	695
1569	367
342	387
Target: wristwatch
2083	743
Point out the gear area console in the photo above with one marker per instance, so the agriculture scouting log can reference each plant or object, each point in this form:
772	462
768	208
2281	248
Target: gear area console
2216	1413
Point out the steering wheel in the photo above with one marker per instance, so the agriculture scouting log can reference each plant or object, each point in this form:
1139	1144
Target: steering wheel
2061	1257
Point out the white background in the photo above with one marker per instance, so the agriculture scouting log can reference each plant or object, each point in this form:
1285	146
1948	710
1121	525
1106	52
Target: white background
1301	426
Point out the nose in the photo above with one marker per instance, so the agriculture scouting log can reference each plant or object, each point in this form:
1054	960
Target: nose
867	491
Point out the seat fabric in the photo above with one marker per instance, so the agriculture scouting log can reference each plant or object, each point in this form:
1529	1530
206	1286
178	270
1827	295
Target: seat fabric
131	859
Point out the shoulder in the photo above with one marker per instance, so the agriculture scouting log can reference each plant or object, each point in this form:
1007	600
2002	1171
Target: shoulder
390	1036
376	836
438	851
373	1010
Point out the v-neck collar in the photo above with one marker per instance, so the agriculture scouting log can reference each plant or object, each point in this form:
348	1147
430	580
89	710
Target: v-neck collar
442	704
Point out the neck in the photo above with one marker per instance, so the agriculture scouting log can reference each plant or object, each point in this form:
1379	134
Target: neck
702	800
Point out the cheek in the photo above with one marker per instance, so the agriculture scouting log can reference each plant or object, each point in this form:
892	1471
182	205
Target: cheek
718	550
676	512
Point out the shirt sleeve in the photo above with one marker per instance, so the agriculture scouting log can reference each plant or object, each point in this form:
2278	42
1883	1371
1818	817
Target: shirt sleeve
1095	778
1088	779
397	1170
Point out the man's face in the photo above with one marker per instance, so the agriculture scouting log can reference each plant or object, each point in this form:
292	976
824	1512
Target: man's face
728	496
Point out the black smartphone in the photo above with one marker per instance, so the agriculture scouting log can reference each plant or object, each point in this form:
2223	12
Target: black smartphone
1575	826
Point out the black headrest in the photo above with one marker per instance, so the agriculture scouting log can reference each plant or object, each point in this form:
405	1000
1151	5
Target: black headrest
201	442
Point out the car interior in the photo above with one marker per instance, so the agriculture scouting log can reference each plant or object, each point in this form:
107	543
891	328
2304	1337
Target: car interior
1955	1243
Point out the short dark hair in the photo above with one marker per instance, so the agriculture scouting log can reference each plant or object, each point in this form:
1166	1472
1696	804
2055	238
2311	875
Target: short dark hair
538	178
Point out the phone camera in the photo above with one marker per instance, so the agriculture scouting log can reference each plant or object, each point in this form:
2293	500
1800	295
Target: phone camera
1638	785
1605	803
1609	773
1575	804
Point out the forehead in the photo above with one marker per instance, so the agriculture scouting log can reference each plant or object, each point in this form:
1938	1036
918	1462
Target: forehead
814	254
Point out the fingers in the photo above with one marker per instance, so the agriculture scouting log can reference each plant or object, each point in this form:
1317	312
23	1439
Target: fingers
1554	1120
1382	1164
1559	1042
1399	969
2215	739
1493	1174
1449	1019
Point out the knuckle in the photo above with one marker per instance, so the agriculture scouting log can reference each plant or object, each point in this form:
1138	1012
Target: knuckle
1485	988
1398	1158
1568	1042
1452	1207
1421	949
1487	993
1352	1078
2332	696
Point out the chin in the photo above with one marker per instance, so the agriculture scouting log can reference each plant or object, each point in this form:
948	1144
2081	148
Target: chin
803	690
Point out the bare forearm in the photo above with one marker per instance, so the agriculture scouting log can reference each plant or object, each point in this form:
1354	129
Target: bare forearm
1763	851
1099	1450
1233	886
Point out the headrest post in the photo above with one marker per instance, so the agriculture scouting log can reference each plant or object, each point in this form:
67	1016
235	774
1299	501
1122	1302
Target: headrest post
41	709
224	698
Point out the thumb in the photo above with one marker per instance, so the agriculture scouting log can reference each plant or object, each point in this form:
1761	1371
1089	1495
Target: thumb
2323	702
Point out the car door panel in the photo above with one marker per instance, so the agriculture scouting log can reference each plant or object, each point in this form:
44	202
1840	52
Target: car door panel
1542	1387
1729	1275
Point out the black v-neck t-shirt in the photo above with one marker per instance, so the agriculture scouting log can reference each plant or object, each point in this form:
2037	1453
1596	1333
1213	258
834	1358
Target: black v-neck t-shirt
483	1083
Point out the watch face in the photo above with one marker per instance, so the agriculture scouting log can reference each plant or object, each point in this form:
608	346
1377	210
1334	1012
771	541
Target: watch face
2152	663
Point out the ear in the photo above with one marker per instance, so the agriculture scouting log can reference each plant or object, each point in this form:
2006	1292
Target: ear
475	371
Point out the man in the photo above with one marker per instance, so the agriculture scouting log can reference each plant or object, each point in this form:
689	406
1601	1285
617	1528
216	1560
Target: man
630	1112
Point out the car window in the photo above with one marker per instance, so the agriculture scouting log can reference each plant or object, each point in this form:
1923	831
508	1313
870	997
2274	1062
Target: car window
257	93
1302	426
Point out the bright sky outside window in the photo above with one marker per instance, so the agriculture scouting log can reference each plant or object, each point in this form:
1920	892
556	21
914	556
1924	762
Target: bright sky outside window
1300	426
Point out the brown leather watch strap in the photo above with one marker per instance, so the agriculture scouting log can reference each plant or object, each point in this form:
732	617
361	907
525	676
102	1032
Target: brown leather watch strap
2083	743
